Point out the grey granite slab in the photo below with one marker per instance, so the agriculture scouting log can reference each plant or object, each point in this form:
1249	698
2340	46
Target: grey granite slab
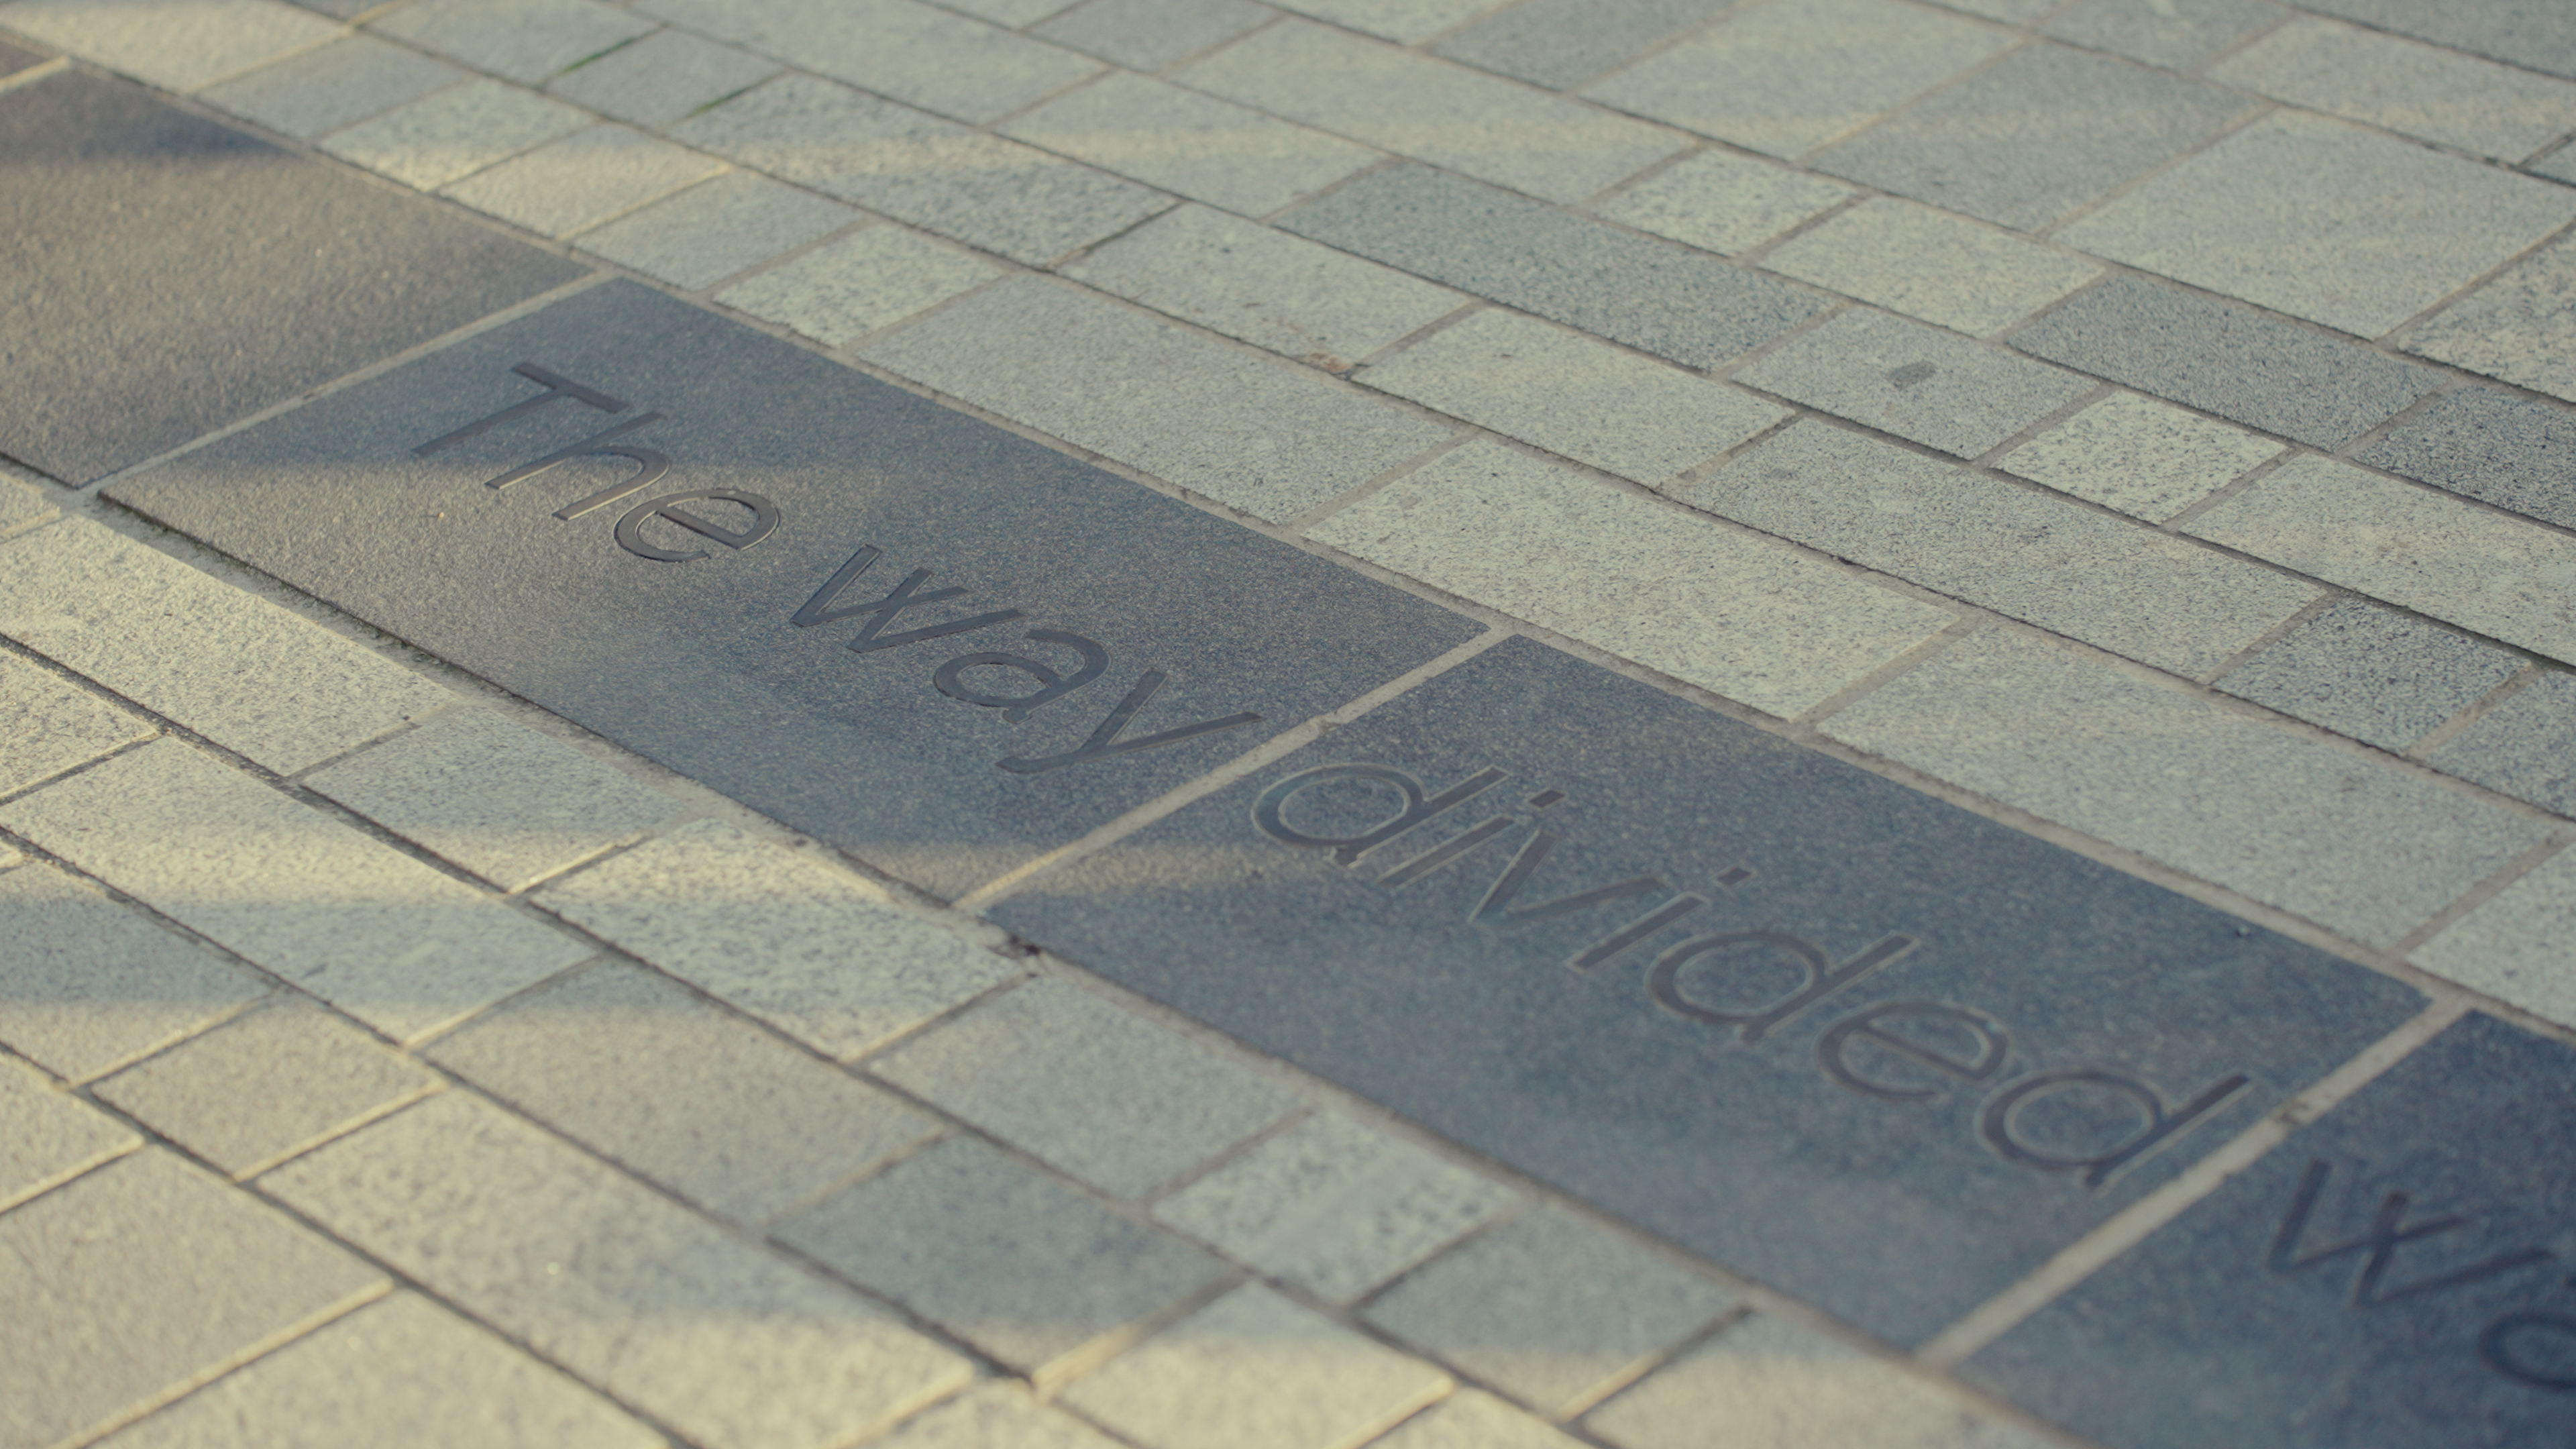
2382	677
15	58
1109	615
161	275
2395	1276
1562	43
2558	165
2229	360
1830	1032
2526	747
1932	386
2510	451
2532	33
1650	294
2176	34
2039	133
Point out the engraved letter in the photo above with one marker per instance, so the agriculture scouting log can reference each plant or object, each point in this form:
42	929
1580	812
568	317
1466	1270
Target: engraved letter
1051	685
1833	1049
819	610
2496	1346
1635	931
2378	1247
2000	1123
555	387
764	520
596	443
1496	909
1267	811
1823	978
1104	741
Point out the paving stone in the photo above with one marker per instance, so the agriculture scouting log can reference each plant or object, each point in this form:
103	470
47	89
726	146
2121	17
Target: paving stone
2524	747
1930	264
916	54
1246	430
99	603
1151	34
265	1086
322	90
1086	1087
2229	360
86	984
2012	12
2175	34
2506	450
520	40
1402	21
1775	1386
2148	459
1021	1268
402	1373
1729	611
1430	110
454	132
2415	90
2521	326
2324	221
256	275
1562	43
979	189
49	1137
22	506
582	180
1785	78
499	799
2382	677
717	228
858	285
661	78
2040	133
1548	1309
2382	1279
1011	14
1332	1207
2020	552
816	952
698	664
753	1128
1255	1370
1574	395
175	46
2353	845
1192	144
2558	165
1721	202
2517	945
997	1415
1295	297
171	1274
2523	32
728	1345
48	725
15	58
374	932
1902	377
1652	295
2411	546
1469	1419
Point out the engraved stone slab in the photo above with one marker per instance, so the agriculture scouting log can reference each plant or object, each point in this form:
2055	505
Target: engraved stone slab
2397	1275
1823	1029
913	634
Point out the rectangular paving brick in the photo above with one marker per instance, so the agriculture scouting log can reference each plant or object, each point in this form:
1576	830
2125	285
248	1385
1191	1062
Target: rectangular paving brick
997	1414
2382	677
177	48
2174	34
520	40
2036	135
2506	450
1405	22
2415	90
661	78
49	1137
729	1345
982	190
87	984
368	929
2516	327
269	273
809	948
1918	382
1932	265
582	180
2524	747
454	132
2229	360
1727	610
1562	43
1191	143
689	650
98	602
23	505
2519	945
1151	34
2015	550
1431	110
323	90
1750	923
2357	846
2413	546
1725	203
917	54
49	724
172	1275
1574	395
2148	459
752	1128
1473	1419
856	285
2385	1278
717	228
1654	296
2523	32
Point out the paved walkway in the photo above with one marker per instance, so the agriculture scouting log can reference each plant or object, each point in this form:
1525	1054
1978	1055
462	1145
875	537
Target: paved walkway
1822	723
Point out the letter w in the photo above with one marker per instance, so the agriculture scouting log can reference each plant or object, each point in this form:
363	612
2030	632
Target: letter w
2378	1247
819	610
1496	909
